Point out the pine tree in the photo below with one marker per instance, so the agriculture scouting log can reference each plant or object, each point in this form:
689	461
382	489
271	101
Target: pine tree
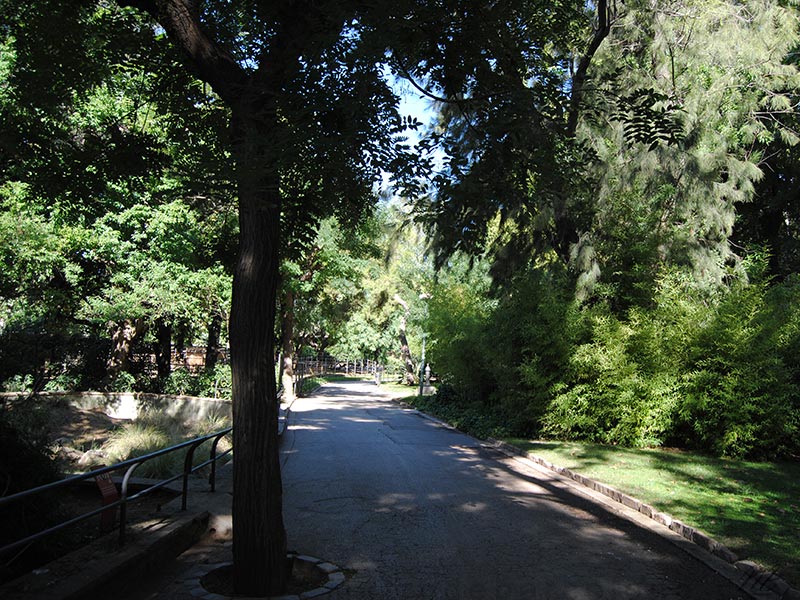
679	117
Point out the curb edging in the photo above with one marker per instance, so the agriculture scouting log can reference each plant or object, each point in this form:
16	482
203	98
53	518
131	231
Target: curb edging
761	577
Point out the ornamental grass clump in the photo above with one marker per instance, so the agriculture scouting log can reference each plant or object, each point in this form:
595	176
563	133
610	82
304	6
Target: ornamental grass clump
142	437
155	431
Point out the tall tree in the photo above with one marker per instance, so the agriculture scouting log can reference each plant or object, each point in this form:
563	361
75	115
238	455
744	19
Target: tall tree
322	283
269	63
300	83
387	317
110	145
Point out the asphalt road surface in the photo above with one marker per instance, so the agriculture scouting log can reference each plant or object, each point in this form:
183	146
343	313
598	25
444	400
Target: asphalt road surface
414	510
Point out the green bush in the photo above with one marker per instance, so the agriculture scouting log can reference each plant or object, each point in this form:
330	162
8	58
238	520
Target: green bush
605	396
458	322
65	382
215	384
123	382
529	341
18	383
718	373
740	389
505	352
471	417
181	382
716	369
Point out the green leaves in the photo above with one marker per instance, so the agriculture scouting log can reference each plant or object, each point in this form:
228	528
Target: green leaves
704	372
649	117
510	162
680	122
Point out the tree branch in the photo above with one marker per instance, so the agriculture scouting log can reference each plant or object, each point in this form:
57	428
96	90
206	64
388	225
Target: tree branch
410	78
605	16
181	20
457	101
401	302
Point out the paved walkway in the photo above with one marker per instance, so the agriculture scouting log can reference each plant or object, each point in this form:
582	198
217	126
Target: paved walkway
413	510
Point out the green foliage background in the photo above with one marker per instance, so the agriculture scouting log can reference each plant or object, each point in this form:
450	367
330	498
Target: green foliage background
629	280
714	372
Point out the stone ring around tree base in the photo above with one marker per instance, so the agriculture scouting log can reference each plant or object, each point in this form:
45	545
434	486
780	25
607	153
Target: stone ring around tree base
325	576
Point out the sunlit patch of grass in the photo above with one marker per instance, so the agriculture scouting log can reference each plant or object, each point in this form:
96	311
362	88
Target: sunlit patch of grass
399	389
753	508
309	384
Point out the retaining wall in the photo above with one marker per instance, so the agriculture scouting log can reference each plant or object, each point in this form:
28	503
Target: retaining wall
130	405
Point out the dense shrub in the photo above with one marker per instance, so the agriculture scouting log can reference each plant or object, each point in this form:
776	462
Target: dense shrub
458	323
505	352
604	395
210	384
531	334
713	369
740	388
716	373
49	361
475	418
124	382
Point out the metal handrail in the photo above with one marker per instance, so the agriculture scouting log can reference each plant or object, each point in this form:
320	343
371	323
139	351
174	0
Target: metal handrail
130	465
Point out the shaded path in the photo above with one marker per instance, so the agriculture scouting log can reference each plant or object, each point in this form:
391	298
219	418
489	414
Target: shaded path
416	510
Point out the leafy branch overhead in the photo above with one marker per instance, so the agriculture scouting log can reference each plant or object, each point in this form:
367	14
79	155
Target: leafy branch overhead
650	117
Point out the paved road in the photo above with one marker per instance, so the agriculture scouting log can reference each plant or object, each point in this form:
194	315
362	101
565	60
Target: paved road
414	510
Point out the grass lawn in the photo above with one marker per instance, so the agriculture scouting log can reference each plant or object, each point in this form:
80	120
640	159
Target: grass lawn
398	389
386	386
752	508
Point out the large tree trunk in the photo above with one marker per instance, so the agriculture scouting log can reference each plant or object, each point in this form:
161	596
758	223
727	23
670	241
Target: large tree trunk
259	537
566	233
163	348
123	335
287	343
212	346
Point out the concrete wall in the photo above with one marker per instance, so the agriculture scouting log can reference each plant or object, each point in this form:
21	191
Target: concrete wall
129	405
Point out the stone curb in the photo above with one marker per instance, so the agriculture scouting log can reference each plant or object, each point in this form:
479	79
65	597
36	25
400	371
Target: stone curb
335	578
754	572
756	576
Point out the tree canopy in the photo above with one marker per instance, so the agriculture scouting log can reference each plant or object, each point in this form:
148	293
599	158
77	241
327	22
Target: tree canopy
599	231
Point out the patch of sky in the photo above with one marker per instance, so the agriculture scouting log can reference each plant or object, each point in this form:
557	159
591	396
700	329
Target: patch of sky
420	108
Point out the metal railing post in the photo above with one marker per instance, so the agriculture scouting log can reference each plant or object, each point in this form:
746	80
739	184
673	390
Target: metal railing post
187	470
212	478
123	498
